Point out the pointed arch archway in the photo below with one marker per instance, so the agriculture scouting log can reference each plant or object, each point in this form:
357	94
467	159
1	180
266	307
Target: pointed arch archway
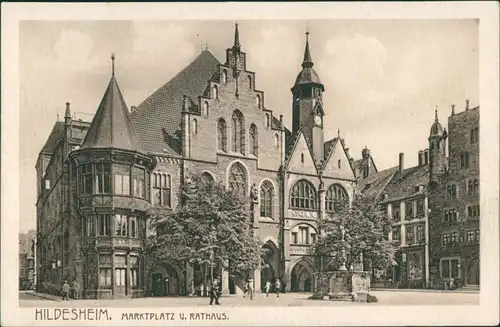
271	258
473	270
301	277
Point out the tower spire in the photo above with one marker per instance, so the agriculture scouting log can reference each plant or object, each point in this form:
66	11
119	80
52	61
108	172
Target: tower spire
236	45
113	64
307	63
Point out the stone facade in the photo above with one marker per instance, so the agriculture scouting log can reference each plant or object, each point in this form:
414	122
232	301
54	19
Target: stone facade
226	133
454	205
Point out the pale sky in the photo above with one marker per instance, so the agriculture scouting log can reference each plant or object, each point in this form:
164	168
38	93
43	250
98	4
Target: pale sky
383	78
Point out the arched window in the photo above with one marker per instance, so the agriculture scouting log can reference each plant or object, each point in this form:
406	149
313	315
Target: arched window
237	181
266	199
224	76
302	157
268	120
254	145
257	100
250	82
338	163
222	135
195	126
207	178
334	194
215	92
238	133
205	108
470	187
276	140
303	195
476	186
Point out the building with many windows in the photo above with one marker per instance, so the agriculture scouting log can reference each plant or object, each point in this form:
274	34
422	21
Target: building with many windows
434	207
97	181
454	201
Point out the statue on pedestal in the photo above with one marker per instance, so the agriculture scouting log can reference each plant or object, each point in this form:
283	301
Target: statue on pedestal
254	193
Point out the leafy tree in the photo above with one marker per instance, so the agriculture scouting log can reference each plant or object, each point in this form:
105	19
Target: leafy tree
365	232
212	226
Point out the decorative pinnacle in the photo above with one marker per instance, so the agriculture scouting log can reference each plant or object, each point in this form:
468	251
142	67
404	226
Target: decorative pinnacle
113	64
436	114
307	62
236	37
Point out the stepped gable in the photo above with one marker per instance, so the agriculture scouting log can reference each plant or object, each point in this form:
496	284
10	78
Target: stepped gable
157	119
55	135
111	126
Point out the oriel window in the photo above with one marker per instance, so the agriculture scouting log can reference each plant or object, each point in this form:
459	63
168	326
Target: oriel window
102	178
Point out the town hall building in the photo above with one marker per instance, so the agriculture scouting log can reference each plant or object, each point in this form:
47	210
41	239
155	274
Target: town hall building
98	180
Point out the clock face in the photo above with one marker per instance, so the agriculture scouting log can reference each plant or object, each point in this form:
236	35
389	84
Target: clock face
317	120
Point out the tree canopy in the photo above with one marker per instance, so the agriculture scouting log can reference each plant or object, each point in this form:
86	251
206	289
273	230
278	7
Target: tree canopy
211	225
366	228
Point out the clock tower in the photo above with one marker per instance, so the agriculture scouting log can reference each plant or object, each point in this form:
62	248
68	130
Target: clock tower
308	113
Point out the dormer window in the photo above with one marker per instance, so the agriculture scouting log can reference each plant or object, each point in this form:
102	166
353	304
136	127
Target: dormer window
215	92
257	100
250	82
268	120
47	184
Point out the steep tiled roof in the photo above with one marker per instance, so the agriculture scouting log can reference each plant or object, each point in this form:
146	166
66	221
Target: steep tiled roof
54	137
328	147
111	126
405	183
157	119
373	185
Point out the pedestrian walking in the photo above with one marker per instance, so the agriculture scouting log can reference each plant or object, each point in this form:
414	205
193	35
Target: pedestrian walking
278	287
215	292
268	287
65	290
76	289
250	288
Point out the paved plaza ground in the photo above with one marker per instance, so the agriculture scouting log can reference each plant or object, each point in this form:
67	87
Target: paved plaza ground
392	297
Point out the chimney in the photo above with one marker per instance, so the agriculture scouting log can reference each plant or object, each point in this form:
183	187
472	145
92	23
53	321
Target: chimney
467	104
401	161
133	109
452	109
426	156
420	158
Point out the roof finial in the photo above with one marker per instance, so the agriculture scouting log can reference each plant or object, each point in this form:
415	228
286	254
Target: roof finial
436	114
452	109
113	64
307	63
338	132
236	37
206	45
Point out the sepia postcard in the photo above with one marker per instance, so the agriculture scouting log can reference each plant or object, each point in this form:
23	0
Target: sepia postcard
250	164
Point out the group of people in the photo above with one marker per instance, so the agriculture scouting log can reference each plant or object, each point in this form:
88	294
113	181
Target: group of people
74	290
249	288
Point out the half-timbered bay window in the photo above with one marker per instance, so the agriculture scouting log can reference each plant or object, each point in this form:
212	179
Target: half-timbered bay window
303	195
104	225
120	270
138	175
102	178
133	230
134	272
90	226
122	184
86	179
161	190
121	225
105	272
